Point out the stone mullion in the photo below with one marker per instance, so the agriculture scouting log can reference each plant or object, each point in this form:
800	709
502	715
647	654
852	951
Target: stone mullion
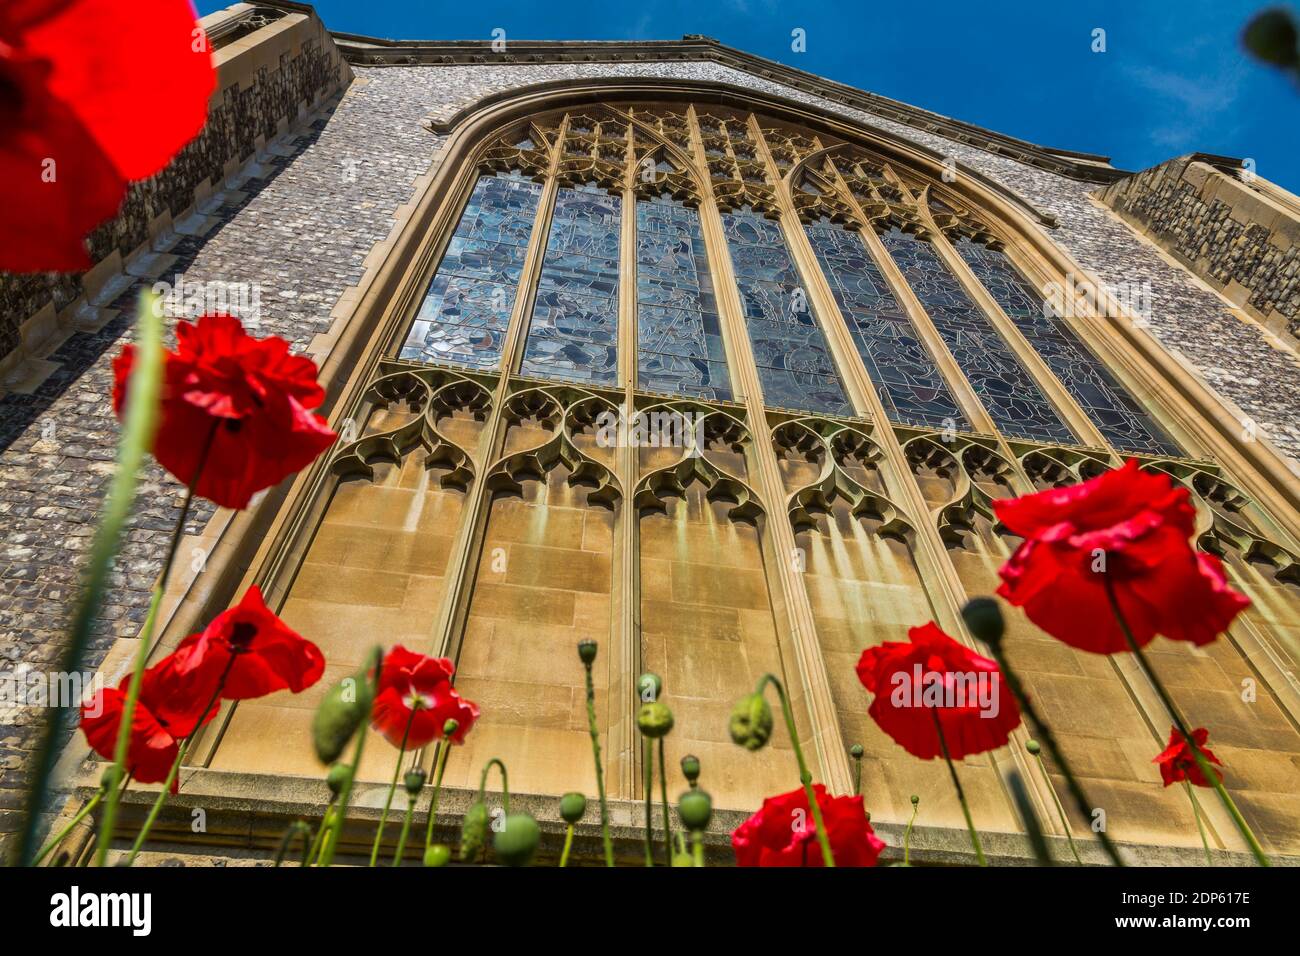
1073	416
939	576
787	593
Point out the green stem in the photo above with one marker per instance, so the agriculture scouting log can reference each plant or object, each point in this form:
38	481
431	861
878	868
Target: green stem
568	845
341	811
406	831
697	847
857	776
444	748
296	829
1200	824
319	838
58	838
138	427
1183	728
392	787
961	794
1060	810
600	773
663	798
505	782
823	841
907	835
647	759
1044	735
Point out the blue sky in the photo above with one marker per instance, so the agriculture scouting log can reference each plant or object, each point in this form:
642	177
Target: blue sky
1173	78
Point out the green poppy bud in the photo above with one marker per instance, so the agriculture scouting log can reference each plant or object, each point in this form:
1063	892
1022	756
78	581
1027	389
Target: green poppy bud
587	651
437	855
108	779
473	832
450	727
691	768
984	619
654	719
915	799
337	778
1271	37
516	842
414	780
573	807
649	687
695	808
856	751
343	709
751	722
1032	747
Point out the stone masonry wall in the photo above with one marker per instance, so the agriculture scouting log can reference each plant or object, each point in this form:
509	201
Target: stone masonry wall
1231	235
299	225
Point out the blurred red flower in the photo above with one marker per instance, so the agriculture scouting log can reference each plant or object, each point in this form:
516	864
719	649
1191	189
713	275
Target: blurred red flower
1178	763
254	650
934	675
783	833
415	691
93	94
1131	528
234	410
167	711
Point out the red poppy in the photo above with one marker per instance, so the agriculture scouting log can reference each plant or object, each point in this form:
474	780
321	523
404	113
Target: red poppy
783	832
254	650
912	682
83	111
1178	763
246	398
1131	528
166	712
415	691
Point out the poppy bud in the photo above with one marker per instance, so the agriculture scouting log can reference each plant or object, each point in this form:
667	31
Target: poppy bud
573	806
337	778
450	727
984	619
1032	747
341	712
414	780
108	779
437	855
516	842
649	687
695	808
473	832
587	651
915	799
751	722
691	768
654	719
856	751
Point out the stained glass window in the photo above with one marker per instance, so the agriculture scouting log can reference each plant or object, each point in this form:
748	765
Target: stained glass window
1008	393
679	341
902	369
794	365
573	333
465	314
1103	399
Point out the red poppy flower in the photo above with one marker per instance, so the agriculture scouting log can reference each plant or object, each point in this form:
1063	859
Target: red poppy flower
1178	763
1131	528
246	397
415	691
254	650
166	712
83	111
935	675
783	832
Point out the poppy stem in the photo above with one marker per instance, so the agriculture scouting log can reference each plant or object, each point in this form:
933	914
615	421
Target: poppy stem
505	782
392	787
176	765
1044	734
600	773
1060	810
1200	824
325	821
961	794
341	810
122	744
568	845
907	834
663	798
406	832
823	841
1183	728
444	748
697	848
647	759
58	838
298	828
